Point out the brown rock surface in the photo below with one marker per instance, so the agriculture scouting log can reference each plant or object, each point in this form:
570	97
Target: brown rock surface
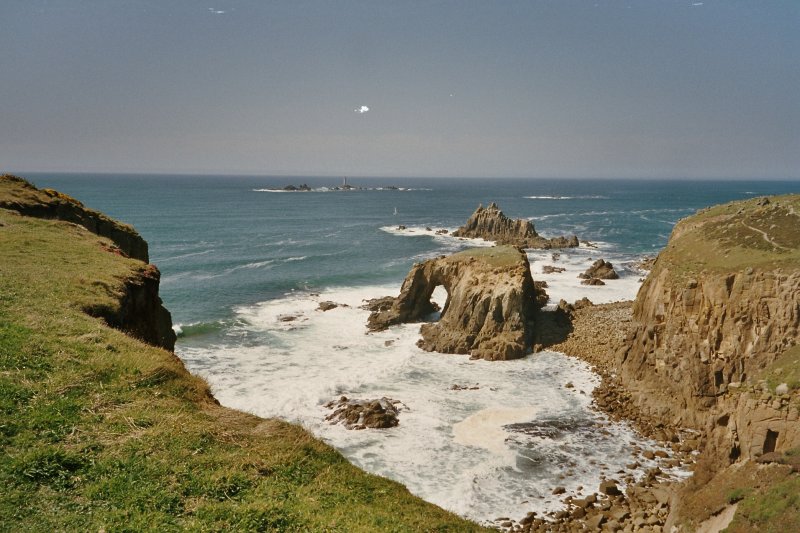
721	303
600	269
491	301
492	225
138	310
362	414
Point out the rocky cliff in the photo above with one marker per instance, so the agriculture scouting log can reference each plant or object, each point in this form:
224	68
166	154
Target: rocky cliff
19	195
137	308
139	311
491	301
721	304
492	225
714	345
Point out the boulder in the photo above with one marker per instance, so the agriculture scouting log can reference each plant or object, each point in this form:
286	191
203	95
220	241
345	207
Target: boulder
600	269
362	414
491	302
492	225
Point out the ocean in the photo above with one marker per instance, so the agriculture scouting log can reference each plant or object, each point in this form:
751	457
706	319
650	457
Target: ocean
244	267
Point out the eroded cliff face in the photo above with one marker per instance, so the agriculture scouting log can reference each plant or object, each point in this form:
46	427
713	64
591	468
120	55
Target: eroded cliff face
140	312
492	225
490	304
695	337
19	195
719	312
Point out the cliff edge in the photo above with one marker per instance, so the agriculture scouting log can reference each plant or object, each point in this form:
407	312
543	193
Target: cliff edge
134	307
491	300
17	194
713	347
103	432
492	224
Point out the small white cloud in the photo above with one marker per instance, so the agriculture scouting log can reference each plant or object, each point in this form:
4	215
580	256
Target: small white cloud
695	4
361	110
217	11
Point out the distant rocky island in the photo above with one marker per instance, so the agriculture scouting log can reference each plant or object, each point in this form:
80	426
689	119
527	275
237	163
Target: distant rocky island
304	187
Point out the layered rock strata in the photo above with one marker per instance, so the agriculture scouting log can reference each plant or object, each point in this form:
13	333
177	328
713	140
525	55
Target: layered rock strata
714	330
491	302
492	225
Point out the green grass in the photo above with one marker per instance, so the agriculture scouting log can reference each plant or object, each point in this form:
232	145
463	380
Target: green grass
785	369
100	431
776	510
496	256
731	237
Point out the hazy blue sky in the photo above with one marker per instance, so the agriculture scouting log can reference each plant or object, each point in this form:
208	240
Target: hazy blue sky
666	88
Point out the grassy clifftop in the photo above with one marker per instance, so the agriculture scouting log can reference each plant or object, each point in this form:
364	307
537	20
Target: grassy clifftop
100	431
762	232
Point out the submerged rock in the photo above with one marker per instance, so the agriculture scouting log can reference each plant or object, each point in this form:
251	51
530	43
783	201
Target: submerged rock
362	414
492	225
491	301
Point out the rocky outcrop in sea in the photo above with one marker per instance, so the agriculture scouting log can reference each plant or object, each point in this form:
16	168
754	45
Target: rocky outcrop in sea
362	414
491	224
490	305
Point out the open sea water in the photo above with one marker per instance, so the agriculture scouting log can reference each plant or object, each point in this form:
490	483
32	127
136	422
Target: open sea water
244	268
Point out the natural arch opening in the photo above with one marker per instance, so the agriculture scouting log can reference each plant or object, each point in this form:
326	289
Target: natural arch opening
439	300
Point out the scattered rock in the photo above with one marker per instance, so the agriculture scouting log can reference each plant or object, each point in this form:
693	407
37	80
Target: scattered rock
327	306
600	269
609	487
464	387
550	269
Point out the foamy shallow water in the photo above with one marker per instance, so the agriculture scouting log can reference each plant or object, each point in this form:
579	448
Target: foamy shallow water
497	448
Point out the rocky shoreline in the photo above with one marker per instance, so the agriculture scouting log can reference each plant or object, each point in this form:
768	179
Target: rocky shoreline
644	505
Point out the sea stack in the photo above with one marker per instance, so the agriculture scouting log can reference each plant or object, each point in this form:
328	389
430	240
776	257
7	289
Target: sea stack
491	301
492	225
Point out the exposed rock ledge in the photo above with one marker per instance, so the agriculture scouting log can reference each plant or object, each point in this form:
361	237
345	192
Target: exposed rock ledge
139	311
21	196
491	301
492	225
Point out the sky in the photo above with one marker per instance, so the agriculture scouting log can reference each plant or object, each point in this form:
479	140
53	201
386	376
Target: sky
540	88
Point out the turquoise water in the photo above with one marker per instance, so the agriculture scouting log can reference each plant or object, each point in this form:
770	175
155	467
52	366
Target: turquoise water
245	268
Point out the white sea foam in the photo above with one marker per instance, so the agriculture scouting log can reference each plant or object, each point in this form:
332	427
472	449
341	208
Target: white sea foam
581	197
489	451
566	285
485	428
